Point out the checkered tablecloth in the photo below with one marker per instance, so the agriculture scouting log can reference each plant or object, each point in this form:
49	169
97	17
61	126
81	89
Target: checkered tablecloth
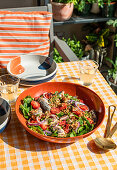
20	150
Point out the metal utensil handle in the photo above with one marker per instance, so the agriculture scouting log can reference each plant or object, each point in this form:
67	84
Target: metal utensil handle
114	128
108	125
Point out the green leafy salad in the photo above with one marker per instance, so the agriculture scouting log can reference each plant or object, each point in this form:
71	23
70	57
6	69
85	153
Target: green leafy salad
58	115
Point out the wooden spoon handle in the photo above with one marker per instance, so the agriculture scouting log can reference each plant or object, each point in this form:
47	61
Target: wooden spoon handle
112	114
113	130
108	125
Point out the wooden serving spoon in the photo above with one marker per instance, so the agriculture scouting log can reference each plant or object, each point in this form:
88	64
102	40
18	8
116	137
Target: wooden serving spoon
106	141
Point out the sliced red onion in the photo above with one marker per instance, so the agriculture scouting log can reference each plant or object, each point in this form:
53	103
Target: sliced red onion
80	103
61	93
44	94
48	132
44	121
37	118
71	101
45	133
64	117
53	116
71	115
33	124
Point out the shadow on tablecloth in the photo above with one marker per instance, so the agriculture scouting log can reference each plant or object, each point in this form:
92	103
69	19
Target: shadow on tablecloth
16	136
93	148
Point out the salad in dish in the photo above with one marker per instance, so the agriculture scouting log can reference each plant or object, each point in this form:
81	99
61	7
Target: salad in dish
58	115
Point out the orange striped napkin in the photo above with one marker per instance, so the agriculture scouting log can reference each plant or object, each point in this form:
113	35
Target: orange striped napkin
23	33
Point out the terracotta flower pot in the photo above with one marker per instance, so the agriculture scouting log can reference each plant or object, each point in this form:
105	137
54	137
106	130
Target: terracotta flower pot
61	11
95	8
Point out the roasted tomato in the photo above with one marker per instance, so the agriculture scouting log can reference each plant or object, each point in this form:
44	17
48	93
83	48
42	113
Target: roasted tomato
66	128
81	101
47	95
62	123
64	106
35	104
76	111
43	126
54	110
36	98
84	107
90	120
33	121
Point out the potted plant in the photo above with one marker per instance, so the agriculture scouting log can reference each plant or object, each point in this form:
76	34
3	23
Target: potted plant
107	7
62	9
98	40
83	7
95	8
56	56
112	73
76	46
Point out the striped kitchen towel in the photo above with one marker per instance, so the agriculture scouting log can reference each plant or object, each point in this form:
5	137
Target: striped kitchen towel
23	33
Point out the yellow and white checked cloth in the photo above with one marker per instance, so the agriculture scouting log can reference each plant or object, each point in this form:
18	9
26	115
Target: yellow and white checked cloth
20	150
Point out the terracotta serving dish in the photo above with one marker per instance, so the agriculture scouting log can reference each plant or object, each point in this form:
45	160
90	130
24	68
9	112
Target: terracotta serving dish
90	98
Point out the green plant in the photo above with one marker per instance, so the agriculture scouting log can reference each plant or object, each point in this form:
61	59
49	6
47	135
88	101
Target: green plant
114	24
80	5
57	57
98	39
101	2
98	35
66	1
75	46
113	71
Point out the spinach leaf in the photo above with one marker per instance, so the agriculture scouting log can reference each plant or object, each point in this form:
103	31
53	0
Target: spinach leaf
55	134
76	116
88	123
80	129
25	111
73	133
37	129
80	120
27	99
26	107
60	114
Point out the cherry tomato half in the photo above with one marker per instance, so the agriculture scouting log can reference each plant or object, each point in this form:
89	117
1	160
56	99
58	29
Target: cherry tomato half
84	107
35	104
54	110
